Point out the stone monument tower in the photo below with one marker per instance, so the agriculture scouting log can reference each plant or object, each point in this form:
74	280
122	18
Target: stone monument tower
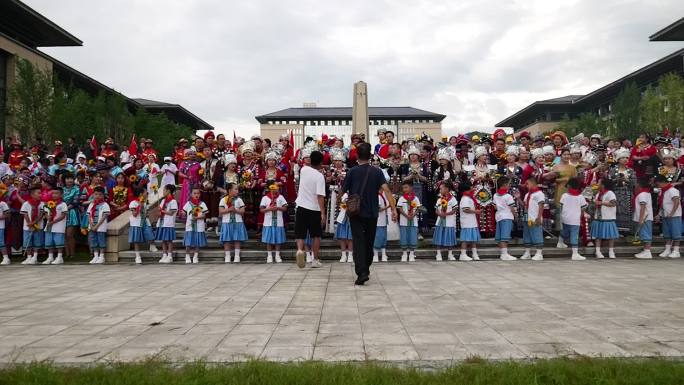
360	110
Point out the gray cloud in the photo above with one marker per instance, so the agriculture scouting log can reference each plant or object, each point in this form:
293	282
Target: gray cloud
475	61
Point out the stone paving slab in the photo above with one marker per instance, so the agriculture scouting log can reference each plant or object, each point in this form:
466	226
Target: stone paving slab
420	312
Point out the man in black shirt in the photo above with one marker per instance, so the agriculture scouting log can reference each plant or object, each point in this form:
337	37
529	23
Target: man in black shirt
364	225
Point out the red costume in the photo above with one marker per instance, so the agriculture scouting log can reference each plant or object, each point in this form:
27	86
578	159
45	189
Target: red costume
15	158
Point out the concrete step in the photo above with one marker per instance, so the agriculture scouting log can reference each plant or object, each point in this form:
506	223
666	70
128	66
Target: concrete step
394	254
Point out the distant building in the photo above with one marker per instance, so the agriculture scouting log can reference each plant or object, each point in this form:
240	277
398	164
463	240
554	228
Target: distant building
543	116
406	122
23	30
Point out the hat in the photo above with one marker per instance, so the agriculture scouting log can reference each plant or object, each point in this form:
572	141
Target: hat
413	150
209	134
499	134
69	161
539	138
575	148
182	140
248	146
255	137
148	140
475	138
284	137
80	155
272	155
58	142
479	151
549	150
229	158
590	157
381	131
668	152
445	153
486	139
596	136
513	150
167	159
599	147
536	153
621	153
525	134
101	159
560	134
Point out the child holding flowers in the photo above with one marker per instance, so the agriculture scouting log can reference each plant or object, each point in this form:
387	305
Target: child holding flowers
273	235
407	206
505	216
445	229
380	241
533	235
470	232
343	231
56	212
166	225
195	212
5	214
140	230
98	211
233	231
32	211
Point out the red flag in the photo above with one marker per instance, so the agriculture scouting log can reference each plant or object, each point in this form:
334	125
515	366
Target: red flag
93	146
292	138
666	132
2	146
234	142
133	148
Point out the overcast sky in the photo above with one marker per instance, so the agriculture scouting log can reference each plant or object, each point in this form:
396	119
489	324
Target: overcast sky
475	61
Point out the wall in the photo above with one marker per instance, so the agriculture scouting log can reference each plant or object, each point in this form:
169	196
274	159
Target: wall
410	130
273	132
539	128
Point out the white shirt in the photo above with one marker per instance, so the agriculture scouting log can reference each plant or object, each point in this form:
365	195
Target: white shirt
607	213
452	204
4	208
503	206
102	212
169	174
152	171
268	215
311	186
668	197
26	209
533	204
404	205
572	208
200	225
383	215
343	211
468	220
136	221
168	220
59	226
237	203
643	198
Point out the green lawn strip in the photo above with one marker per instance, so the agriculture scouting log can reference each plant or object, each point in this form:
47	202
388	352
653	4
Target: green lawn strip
556	371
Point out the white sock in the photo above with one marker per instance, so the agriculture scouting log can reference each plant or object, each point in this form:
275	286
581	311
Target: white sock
194	255
59	255
528	250
35	255
277	254
187	255
383	251
504	250
137	254
575	250
611	250
675	249
50	255
227	254
269	254
474	250
237	253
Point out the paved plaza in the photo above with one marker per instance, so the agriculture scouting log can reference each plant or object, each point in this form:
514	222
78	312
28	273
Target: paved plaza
421	312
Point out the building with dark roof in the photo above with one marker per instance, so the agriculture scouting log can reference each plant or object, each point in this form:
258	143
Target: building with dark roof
405	122
544	116
23	31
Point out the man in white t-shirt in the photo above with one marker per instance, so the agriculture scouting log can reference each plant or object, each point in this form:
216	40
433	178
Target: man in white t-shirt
310	214
670	214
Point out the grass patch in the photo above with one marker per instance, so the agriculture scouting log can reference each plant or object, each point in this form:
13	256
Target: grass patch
556	371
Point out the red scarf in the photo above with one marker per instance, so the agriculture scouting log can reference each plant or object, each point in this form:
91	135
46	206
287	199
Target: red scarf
93	209
602	192
195	201
574	192
273	195
471	194
166	201
661	195
384	200
409	198
502	191
639	191
34	207
529	195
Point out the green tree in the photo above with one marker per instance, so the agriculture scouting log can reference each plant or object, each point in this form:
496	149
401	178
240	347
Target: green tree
625	112
30	101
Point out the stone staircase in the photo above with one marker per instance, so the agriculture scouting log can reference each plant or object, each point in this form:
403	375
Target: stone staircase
253	251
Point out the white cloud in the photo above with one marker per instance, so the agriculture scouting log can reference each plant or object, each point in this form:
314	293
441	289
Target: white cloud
475	61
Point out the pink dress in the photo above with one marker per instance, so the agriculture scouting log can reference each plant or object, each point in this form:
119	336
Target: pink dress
191	169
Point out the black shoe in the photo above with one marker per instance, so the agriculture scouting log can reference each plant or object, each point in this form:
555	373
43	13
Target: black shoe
361	280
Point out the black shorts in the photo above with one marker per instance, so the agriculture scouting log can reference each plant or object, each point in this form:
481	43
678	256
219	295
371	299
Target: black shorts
307	221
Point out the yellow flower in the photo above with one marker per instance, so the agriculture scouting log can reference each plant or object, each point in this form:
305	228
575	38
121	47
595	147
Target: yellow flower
51	204
133	178
155	188
84	231
443	203
201	171
482	194
197	211
343	205
413	204
273	187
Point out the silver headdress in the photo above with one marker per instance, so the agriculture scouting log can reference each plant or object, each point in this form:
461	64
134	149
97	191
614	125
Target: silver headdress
445	153
338	154
479	151
536	153
590	157
549	150
621	153
513	150
669	152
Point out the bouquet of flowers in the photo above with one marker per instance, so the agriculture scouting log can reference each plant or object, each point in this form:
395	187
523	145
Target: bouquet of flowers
200	172
155	188
133	178
197	211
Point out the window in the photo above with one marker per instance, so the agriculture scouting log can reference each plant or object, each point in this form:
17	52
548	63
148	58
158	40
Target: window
3	91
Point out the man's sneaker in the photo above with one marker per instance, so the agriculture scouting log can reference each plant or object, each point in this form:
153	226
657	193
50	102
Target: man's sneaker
526	255
538	257
665	253
561	245
675	254
316	263
301	258
508	257
577	257
646	254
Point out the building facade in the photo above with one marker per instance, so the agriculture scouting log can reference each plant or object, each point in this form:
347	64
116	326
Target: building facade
405	122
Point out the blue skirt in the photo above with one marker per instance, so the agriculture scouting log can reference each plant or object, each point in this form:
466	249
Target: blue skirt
380	241
444	236
166	233
72	218
273	235
2	238
233	232
343	230
470	234
604	229
195	239
137	234
408	236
